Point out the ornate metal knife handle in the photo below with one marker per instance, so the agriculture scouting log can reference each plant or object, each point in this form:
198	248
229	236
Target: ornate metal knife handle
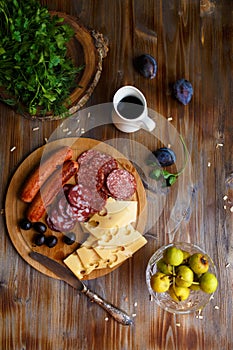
119	315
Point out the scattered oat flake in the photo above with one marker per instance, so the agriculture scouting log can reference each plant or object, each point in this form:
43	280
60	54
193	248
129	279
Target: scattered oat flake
2	211
134	315
225	197
106	319
209	164
169	146
65	130
61	125
227	265
219	145
36	128
200	317
69	132
88	115
216	307
169	119
135	304
224	207
231	209
177	324
46	140
13	148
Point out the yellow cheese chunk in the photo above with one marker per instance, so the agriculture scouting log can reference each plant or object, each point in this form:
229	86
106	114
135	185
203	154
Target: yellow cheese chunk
90	259
75	265
121	216
119	237
85	260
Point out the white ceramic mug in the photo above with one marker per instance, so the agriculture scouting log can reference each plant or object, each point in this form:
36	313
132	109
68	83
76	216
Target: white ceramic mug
130	110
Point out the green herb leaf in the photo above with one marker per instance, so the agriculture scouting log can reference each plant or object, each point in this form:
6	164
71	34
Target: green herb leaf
34	67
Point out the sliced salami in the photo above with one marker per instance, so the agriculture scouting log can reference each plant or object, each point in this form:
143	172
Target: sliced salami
84	200
86	156
79	196
57	222
93	169
121	184
109	166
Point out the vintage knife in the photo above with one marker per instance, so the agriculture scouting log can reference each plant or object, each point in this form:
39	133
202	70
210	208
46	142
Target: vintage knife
67	275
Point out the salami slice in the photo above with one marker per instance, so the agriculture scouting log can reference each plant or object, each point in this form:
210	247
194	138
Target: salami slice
93	169
79	196
121	184
57	222
109	166
86	156
84	200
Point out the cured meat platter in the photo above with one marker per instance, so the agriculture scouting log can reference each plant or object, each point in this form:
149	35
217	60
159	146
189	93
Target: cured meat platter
16	208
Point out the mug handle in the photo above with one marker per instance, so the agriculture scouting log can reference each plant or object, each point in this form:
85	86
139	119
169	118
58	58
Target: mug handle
147	124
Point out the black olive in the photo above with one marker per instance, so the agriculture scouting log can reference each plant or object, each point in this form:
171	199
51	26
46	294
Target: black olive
165	156
146	65
69	238
39	239
40	227
25	224
51	241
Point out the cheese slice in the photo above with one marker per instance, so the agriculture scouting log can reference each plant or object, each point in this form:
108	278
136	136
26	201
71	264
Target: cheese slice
120	237
112	237
121	216
90	259
85	260
75	265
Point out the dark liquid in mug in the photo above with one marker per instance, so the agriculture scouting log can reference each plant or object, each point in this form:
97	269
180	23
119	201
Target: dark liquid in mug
130	107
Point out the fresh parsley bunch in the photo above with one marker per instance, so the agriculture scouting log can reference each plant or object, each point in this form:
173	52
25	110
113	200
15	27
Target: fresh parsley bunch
34	68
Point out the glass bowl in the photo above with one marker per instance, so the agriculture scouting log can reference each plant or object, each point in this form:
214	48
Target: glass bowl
197	299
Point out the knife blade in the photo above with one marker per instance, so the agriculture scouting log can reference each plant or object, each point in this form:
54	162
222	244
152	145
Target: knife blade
67	276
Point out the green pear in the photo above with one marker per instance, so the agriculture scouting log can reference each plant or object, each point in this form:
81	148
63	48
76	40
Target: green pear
179	293
199	263
173	256
163	267
208	282
160	282
186	256
184	276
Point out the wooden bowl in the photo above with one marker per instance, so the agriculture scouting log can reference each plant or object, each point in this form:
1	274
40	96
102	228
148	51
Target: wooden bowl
88	48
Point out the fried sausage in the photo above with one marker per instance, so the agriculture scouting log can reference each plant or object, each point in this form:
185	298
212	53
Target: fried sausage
50	189
43	171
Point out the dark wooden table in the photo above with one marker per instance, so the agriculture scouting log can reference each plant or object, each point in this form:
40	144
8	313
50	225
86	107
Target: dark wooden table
190	39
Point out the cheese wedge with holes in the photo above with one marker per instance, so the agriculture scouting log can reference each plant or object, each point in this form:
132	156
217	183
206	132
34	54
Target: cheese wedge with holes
112	237
85	260
90	259
75	265
117	214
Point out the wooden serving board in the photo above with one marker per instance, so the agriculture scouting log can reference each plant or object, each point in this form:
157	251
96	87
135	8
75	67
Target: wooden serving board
15	208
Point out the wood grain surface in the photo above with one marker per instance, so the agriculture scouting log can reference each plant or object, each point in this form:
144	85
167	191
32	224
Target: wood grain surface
190	39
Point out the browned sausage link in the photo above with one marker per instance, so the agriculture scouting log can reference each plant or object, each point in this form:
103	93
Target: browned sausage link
50	189
43	171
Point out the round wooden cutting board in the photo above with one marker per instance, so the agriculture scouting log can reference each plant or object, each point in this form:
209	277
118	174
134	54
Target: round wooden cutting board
15	208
